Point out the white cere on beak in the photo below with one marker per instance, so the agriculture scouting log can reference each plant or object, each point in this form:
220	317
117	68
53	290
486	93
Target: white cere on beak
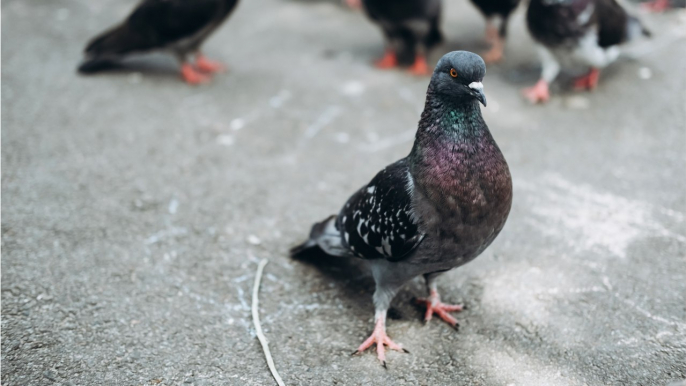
476	86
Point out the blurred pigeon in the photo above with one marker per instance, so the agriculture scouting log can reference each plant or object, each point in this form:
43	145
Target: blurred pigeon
434	210
585	31
496	36
410	28
179	26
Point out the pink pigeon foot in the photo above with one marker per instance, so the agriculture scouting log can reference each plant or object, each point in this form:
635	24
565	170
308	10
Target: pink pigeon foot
389	60
208	66
434	306
379	338
588	81
539	93
420	67
495	54
192	76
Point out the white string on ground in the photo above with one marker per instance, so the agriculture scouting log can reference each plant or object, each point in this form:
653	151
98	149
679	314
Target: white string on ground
258	327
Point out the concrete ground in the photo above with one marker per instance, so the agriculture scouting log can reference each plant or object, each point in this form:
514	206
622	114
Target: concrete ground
135	209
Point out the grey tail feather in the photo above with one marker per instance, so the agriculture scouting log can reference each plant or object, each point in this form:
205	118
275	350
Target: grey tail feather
111	45
93	64
302	247
315	233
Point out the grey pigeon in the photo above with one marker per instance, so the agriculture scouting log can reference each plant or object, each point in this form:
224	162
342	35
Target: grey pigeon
587	32
434	210
178	26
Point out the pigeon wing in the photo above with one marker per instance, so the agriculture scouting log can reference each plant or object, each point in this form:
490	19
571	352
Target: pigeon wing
378	221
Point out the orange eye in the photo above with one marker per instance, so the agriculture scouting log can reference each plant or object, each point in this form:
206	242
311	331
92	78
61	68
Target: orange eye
453	73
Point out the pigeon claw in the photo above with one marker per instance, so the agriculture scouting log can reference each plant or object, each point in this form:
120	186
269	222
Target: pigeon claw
205	65
420	67
588	81
192	76
539	93
435	306
388	60
379	338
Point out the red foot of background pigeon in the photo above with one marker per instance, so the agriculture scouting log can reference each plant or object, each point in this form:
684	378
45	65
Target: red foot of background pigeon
192	76
388	60
434	306
420	67
208	66
539	93
588	81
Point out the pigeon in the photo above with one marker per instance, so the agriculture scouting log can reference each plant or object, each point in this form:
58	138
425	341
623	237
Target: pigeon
410	28
577	31
496	36
179	26
434	210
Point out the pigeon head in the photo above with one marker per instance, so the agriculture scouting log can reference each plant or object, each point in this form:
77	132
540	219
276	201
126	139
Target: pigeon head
457	77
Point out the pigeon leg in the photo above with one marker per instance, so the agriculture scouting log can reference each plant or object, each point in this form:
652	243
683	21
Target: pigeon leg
388	60
191	76
495	54
540	93
588	81
208	66
491	31
420	67
379	338
435	306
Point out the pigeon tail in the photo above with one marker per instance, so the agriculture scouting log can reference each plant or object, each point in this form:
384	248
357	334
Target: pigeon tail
94	64
325	235
302	247
112	45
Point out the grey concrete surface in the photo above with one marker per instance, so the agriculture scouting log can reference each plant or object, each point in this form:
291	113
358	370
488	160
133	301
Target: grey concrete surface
135	209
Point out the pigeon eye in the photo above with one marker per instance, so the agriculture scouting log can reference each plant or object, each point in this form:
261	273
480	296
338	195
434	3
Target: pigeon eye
453	73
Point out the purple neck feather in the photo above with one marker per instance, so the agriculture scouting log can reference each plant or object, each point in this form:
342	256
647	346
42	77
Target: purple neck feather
452	139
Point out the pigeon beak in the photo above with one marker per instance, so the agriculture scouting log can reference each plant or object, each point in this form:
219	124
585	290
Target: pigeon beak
478	92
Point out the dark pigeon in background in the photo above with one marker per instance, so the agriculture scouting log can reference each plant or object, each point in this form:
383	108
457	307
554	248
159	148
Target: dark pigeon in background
410	27
577	31
432	211
496	36
178	26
